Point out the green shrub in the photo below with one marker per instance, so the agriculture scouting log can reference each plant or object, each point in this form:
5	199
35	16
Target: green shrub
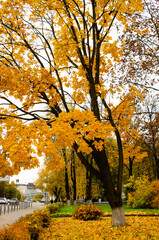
155	194
155	202
140	197
53	208
87	212
145	194
60	204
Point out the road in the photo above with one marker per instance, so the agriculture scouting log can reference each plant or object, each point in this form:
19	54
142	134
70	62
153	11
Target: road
12	217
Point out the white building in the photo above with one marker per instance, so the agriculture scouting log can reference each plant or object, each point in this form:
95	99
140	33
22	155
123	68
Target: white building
28	190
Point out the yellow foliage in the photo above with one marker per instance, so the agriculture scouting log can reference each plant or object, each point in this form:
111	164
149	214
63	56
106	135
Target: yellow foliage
47	48
136	228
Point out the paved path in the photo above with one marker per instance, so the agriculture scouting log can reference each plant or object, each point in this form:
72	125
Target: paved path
12	217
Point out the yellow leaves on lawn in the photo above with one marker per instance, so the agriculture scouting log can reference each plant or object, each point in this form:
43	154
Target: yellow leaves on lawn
71	229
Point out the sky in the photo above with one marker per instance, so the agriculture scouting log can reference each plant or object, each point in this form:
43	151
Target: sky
27	176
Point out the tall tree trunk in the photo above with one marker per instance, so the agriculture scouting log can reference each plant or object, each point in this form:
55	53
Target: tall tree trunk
113	196
131	160
130	170
57	193
67	189
73	174
157	167
89	183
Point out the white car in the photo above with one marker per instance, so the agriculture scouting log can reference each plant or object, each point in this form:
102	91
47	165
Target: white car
3	200
14	201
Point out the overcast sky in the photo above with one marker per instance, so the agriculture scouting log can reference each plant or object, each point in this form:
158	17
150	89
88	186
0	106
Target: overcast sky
27	176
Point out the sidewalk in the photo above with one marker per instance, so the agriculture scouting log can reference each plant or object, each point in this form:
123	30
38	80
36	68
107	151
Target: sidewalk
12	217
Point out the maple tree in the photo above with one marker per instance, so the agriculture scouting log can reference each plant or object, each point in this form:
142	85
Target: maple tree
55	55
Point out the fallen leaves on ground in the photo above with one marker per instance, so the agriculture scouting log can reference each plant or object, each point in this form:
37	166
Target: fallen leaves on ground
71	229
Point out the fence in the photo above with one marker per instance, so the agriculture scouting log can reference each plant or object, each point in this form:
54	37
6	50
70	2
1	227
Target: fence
7	208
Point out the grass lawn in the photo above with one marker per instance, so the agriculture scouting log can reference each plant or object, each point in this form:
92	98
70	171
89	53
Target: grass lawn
106	209
68	209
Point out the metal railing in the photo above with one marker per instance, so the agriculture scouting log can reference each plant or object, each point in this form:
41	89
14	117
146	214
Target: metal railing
7	208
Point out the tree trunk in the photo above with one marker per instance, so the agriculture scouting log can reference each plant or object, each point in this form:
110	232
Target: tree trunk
157	167
131	160
57	193
89	183
118	216
113	196
67	189
73	174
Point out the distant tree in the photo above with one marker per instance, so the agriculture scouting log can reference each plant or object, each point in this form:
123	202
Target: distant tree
38	197
148	127
3	188
9	190
140	60
53	182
